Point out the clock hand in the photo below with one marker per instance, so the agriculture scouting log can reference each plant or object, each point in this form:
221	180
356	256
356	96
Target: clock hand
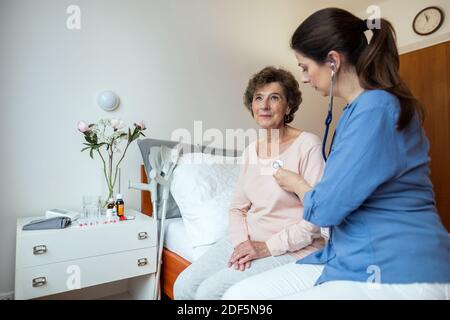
426	17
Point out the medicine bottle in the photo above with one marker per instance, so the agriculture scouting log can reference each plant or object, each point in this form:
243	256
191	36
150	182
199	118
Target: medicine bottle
110	207
120	205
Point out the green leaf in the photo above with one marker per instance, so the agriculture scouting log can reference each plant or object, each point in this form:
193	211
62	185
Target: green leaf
84	149
91	153
142	134
98	146
88	138
129	135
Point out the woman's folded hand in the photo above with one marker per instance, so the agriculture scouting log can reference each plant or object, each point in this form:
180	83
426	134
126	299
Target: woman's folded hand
247	251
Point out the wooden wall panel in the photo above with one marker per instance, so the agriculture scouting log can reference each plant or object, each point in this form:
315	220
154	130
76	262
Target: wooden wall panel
427	73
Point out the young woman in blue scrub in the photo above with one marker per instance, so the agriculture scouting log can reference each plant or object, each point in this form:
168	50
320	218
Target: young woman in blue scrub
386	238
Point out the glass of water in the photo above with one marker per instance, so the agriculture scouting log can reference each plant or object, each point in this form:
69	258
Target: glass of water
91	207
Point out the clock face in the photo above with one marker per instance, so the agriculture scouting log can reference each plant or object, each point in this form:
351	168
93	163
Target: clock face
428	21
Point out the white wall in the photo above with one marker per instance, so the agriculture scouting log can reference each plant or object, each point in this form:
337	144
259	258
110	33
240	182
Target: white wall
170	61
402	12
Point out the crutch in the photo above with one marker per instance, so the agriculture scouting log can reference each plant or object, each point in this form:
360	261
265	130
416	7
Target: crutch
152	186
169	159
162	162
154	177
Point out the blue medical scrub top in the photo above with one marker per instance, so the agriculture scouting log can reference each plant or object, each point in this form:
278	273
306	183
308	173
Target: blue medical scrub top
378	200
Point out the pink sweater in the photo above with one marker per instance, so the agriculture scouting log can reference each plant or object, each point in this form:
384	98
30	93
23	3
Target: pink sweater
262	211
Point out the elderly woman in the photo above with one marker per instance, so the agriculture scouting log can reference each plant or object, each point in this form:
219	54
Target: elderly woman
266	225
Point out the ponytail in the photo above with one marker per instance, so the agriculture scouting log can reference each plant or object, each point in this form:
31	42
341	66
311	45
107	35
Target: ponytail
378	68
376	63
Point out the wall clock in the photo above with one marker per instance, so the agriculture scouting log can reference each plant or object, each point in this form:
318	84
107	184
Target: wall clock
428	21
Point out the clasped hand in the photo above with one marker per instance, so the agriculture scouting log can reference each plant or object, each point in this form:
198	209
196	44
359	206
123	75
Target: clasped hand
245	252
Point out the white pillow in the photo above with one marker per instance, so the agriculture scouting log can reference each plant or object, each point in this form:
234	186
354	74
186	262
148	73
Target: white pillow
202	187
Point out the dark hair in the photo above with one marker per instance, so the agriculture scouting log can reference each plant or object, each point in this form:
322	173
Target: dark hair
287	82
376	63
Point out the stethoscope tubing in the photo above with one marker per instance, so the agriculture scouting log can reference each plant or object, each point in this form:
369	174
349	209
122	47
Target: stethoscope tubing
329	117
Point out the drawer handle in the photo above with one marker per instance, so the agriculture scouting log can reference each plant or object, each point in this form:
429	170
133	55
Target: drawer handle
142	235
39	249
39	282
142	262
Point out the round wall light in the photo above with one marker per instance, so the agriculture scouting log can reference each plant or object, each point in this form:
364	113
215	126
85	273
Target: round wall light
108	100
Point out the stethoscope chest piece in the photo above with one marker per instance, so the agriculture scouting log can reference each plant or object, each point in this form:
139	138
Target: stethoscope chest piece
277	164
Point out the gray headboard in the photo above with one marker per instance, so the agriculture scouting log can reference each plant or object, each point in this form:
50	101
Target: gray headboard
145	146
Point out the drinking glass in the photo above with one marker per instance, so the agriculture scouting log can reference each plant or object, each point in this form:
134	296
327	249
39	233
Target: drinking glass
91	206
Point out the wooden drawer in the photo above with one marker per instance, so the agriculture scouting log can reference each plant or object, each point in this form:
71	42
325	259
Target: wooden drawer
61	277
40	247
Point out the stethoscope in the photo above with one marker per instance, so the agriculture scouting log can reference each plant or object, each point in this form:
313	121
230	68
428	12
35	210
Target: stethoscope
278	164
329	117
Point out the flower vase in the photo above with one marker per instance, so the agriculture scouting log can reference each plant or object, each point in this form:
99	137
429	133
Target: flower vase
112	191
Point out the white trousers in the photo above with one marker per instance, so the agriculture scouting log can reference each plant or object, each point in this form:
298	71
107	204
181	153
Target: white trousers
209	276
296	282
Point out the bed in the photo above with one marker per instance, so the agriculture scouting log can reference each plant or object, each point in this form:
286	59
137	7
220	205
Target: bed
177	253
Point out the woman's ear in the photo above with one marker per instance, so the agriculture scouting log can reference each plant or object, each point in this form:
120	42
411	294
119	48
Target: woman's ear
334	60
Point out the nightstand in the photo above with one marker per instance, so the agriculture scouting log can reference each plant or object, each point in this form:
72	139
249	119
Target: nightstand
50	262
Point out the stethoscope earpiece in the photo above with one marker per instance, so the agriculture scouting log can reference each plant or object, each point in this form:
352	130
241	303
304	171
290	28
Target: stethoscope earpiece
333	68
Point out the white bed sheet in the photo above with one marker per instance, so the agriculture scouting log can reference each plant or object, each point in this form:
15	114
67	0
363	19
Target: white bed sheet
177	241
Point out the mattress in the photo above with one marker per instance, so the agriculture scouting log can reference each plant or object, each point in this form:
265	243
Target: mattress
177	241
